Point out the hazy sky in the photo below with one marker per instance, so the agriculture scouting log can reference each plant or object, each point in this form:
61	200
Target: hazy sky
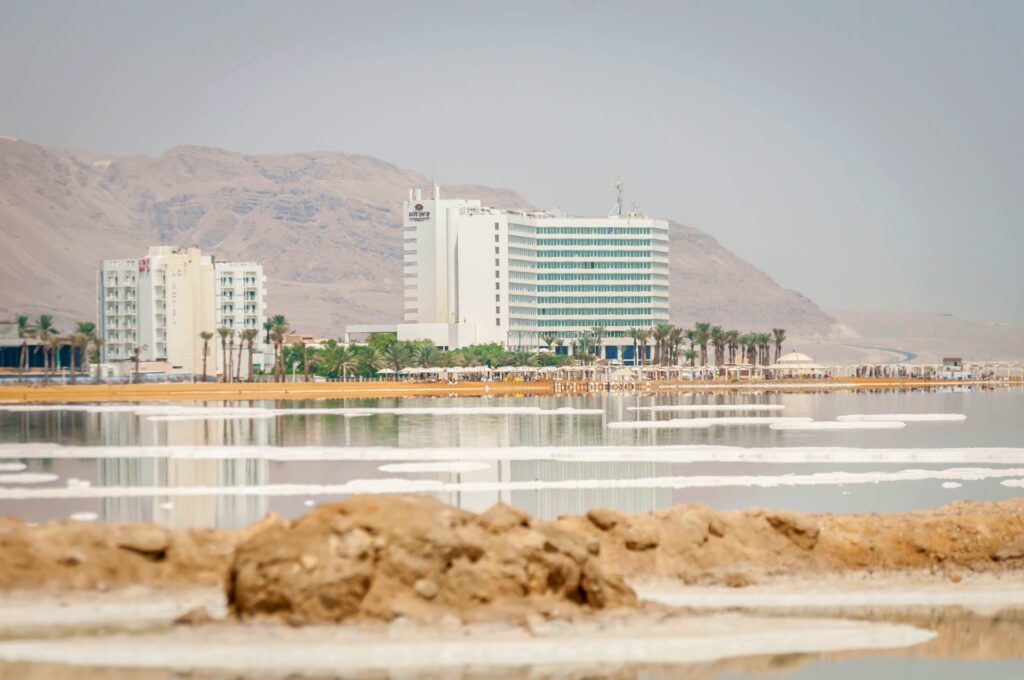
866	154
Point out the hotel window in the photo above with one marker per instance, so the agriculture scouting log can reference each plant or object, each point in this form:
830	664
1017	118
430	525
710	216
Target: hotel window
495	226
497	262
496	250
497	298
497	285
497	322
495	238
497	310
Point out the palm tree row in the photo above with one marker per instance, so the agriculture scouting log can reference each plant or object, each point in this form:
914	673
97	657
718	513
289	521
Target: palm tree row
384	352
231	369
668	343
50	341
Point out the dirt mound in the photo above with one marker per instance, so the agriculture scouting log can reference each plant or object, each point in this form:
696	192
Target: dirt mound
77	555
697	544
382	557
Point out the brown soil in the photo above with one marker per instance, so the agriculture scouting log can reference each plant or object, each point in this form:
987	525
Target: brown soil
380	557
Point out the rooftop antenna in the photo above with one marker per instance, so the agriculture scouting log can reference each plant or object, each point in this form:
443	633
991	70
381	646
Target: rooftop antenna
617	210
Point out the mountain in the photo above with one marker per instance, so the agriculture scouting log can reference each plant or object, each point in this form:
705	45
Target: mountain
326	225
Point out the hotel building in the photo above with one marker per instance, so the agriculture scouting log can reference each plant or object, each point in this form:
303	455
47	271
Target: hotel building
475	274
163	301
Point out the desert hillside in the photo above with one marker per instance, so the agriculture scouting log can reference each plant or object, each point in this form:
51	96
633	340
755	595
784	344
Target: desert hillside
326	225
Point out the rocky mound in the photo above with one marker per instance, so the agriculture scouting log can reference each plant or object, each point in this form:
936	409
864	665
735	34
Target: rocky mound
697	544
383	556
77	555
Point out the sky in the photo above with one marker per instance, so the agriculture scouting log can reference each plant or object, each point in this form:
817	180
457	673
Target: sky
866	154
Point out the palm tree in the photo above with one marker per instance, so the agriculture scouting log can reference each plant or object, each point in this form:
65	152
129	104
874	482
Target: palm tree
79	343
277	335
733	340
701	336
268	326
241	346
337	359
596	336
224	332
426	356
660	335
136	351
44	331
634	335
779	335
645	338
691	356
248	339
548	339
674	341
764	341
397	356
25	331
55	344
85	331
206	337
717	337
97	342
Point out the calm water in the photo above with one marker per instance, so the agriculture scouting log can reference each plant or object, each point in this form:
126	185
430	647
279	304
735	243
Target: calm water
497	458
497	443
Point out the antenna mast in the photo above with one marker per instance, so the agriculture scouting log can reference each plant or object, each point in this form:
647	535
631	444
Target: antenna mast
617	210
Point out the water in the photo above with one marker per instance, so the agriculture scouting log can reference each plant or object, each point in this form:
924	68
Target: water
514	451
546	463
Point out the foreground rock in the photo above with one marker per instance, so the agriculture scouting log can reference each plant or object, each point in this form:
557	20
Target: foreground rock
382	557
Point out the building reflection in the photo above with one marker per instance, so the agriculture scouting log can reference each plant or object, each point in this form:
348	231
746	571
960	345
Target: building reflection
220	510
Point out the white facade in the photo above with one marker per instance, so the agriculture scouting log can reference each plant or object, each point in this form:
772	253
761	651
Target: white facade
163	301
514	276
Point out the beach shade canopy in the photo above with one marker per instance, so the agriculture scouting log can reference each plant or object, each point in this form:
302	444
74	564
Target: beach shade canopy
386	371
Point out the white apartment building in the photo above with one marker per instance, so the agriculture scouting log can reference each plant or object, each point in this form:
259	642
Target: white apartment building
475	274
163	301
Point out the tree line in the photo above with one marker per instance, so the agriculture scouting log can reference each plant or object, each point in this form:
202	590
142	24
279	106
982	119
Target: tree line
50	341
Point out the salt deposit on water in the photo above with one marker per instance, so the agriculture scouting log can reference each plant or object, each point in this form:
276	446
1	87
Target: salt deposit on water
710	408
12	467
901	417
27	478
702	453
453	466
399	485
702	423
835	425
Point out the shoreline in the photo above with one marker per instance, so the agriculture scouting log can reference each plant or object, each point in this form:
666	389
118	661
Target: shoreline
212	391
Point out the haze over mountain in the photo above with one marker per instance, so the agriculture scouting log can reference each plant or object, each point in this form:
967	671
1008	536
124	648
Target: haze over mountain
326	225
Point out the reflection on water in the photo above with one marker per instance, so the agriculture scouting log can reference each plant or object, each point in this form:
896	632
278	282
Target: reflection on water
992	420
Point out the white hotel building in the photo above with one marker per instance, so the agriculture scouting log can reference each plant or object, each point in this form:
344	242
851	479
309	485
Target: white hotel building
475	274
164	300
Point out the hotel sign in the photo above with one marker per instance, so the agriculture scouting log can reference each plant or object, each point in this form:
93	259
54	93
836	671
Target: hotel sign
418	214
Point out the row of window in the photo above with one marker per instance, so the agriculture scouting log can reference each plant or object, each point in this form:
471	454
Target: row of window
596	311
594	253
613	231
593	277
605	323
574	300
594	242
595	288
594	265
